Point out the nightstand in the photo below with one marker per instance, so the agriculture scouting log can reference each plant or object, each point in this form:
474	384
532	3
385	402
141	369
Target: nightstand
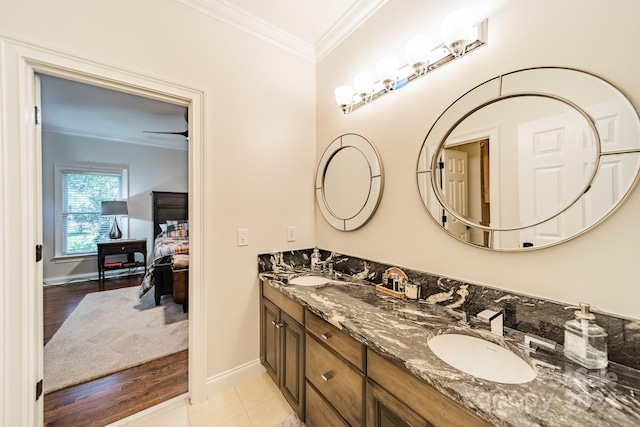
120	247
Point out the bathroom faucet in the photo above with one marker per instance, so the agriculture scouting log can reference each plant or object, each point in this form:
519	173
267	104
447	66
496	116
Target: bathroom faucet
495	319
462	315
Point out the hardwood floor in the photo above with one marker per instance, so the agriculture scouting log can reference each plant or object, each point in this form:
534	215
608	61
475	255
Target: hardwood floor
111	398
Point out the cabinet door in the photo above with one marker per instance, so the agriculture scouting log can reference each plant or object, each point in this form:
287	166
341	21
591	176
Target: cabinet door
292	359
384	410
270	339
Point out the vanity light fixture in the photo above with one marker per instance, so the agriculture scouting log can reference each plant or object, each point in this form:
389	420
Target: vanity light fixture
344	98
387	69
363	83
456	30
459	36
418	52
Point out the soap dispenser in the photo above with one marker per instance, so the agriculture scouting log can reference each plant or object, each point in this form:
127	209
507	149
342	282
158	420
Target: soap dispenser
585	342
315	258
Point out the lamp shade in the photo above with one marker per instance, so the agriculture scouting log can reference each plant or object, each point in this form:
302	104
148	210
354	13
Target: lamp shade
387	68
115	207
418	50
363	83
344	95
456	28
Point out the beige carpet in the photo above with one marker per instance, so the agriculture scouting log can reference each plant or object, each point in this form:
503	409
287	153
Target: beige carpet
111	331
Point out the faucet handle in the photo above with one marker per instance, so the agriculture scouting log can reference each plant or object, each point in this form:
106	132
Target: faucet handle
533	342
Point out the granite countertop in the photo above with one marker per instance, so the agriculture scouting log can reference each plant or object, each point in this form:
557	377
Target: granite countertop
563	393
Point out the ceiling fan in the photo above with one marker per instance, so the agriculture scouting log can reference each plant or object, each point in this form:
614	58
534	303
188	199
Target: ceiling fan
184	133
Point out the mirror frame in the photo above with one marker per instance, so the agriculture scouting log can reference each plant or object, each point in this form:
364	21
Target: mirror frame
376	177
493	91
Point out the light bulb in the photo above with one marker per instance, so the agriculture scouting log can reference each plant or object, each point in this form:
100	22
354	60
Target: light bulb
417	52
363	83
456	28
387	69
344	97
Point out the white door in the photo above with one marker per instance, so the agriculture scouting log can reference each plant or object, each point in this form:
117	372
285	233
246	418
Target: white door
455	187
555	163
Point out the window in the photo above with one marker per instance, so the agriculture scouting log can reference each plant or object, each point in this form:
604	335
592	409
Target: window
80	192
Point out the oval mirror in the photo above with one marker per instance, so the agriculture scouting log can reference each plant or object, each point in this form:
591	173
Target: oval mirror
349	182
530	159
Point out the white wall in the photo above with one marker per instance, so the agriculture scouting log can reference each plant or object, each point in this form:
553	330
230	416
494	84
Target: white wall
259	131
600	267
150	169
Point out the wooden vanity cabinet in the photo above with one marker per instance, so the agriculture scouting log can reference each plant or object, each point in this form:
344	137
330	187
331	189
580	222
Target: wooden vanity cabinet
395	397
282	337
335	376
385	410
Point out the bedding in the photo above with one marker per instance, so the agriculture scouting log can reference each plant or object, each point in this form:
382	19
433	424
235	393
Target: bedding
166	244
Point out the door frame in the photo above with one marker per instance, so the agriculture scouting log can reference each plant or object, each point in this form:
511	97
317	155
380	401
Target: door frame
21	320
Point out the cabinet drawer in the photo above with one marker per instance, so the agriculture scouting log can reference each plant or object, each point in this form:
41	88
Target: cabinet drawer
319	413
338	340
340	383
123	248
285	303
426	401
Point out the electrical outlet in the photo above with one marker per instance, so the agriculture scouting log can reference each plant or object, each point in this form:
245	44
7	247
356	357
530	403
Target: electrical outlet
291	233
243	237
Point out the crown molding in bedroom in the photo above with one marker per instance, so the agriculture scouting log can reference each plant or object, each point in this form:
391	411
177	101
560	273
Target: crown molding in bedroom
255	26
171	145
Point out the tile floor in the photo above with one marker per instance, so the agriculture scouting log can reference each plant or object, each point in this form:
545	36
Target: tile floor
255	403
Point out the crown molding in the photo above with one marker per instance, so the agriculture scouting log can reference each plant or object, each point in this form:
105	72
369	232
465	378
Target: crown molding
253	25
257	27
171	145
347	24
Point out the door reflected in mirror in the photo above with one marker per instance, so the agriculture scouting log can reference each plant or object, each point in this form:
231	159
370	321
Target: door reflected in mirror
530	159
540	159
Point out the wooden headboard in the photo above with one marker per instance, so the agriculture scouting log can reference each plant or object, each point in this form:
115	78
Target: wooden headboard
168	205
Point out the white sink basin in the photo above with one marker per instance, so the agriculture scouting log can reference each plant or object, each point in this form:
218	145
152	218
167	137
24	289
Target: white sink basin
309	281
481	358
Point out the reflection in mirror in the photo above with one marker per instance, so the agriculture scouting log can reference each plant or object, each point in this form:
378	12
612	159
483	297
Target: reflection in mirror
349	182
530	159
539	160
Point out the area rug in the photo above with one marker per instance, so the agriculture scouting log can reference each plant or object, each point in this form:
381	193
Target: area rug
291	421
111	331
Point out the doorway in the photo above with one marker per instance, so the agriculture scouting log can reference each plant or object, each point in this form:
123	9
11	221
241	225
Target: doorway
97	144
22	305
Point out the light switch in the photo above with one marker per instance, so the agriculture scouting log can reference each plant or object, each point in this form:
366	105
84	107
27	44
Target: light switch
243	237
291	233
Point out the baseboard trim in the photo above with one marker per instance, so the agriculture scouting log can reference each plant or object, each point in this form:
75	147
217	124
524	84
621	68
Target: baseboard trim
85	277
233	377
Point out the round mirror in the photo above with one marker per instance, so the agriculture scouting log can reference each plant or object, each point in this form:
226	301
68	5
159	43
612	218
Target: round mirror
349	182
530	159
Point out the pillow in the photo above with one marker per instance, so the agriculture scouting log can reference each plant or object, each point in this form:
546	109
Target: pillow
179	221
178	230
163	227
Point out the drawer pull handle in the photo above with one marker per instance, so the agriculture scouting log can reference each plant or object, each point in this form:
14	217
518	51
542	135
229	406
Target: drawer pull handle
327	375
122	248
326	335
276	324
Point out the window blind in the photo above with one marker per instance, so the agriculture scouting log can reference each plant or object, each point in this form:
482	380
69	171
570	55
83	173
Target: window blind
81	222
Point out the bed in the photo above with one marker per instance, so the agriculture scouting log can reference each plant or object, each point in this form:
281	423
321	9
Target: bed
168	273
